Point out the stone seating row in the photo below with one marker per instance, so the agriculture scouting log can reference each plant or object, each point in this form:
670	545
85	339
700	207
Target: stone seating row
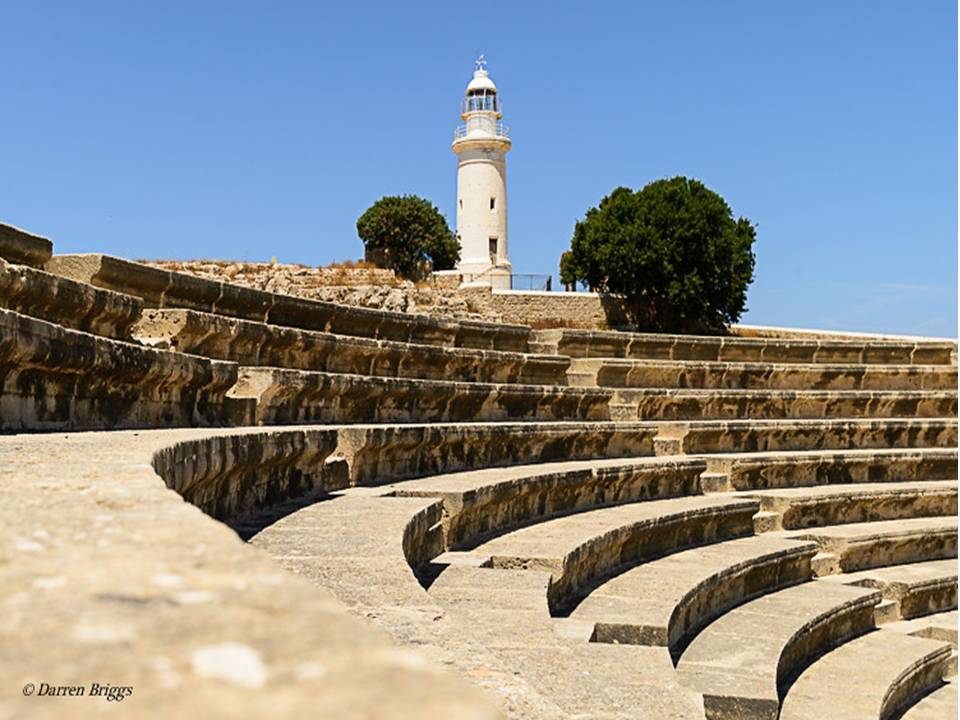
851	547
748	376
19	246
682	404
65	302
257	344
891	673
909	590
167	289
55	378
610	344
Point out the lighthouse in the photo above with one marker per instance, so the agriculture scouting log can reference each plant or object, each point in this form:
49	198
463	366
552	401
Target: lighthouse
481	145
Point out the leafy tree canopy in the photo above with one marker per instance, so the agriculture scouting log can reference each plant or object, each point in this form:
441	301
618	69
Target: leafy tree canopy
405	232
673	249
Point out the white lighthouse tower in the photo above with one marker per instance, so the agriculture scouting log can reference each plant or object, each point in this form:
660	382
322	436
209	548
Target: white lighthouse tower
481	146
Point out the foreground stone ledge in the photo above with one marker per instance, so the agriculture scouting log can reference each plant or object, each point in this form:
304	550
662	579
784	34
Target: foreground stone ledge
301	396
599	344
56	378
67	302
111	577
252	343
19	246
166	289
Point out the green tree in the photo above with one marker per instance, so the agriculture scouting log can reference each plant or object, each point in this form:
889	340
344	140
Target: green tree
673	249
406	232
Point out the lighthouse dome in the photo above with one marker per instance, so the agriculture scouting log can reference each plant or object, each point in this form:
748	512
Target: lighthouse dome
481	81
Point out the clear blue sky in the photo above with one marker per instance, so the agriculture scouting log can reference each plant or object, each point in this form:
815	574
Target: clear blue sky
249	130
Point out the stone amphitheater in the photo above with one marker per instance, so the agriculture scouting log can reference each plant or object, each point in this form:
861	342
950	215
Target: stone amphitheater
223	502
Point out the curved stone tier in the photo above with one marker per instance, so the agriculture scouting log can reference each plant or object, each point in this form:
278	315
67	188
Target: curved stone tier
599	344
167	289
66	302
56	378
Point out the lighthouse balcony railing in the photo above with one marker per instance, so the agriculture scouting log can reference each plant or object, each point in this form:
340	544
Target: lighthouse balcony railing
501	131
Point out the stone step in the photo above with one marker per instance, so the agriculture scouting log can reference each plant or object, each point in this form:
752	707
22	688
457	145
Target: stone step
304	396
582	550
817	506
916	589
54	378
615	372
23	248
744	661
939	704
68	303
740	436
861	546
683	404
782	470
166	289
877	675
936	626
479	504
606	344
259	344
668	600
588	680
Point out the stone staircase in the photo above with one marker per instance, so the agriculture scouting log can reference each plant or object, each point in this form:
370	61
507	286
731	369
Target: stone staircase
569	523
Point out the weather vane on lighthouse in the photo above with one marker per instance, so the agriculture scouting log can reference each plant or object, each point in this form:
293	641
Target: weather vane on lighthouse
481	145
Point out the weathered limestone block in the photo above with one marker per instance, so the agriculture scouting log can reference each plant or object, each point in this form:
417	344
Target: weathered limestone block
724	375
668	600
598	344
298	396
166	289
855	466
235	476
378	454
744	660
252	343
23	248
670	404
56	378
784	435
110	577
916	589
67	302
864	502
860	546
482	503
